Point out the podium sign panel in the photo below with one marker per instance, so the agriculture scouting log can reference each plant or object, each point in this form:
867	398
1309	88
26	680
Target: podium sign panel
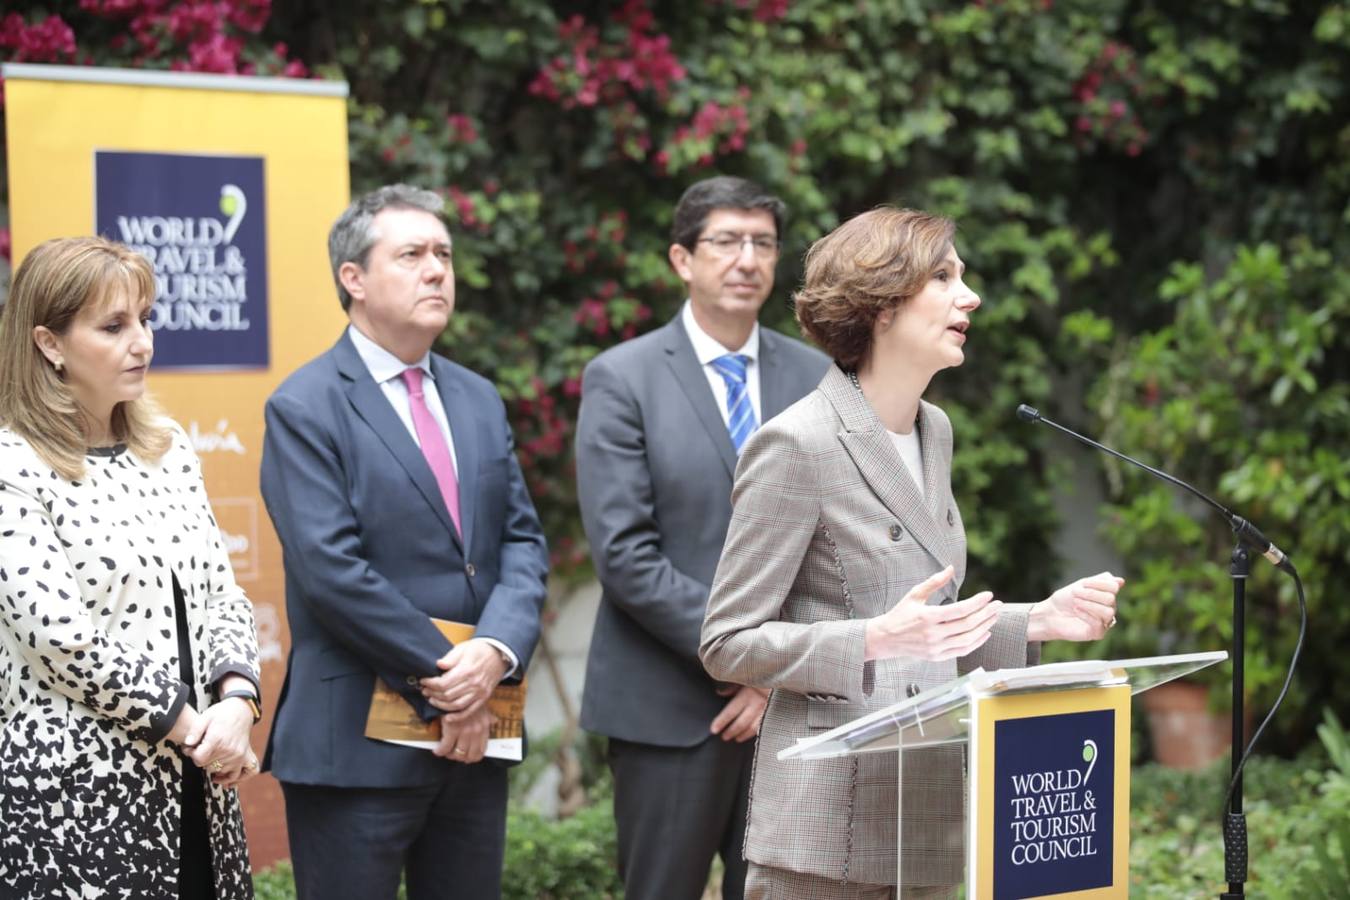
1050	793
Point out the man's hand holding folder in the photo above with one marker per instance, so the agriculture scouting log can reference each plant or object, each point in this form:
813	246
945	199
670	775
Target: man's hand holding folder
469	673
483	717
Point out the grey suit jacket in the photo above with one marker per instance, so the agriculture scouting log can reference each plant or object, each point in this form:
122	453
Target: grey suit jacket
829	530
654	470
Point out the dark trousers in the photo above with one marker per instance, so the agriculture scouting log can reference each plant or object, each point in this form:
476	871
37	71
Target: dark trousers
675	809
356	842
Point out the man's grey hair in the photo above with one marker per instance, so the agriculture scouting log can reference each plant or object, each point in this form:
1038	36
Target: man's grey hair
353	234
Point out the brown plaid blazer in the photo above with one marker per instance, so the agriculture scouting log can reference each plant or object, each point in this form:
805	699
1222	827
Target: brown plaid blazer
828	530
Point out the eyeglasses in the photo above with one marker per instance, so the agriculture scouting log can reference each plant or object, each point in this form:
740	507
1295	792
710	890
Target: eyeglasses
733	244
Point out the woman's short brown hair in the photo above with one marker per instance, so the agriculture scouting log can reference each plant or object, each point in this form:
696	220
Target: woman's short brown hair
873	262
56	280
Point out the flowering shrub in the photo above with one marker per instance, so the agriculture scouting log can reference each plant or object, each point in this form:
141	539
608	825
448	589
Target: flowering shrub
591	71
1083	145
199	36
1108	94
48	40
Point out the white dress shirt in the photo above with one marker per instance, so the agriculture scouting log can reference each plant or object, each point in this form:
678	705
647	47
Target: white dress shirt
387	370
707	349
907	445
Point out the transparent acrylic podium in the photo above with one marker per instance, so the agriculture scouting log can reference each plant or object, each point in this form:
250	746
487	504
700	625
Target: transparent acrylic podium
948	715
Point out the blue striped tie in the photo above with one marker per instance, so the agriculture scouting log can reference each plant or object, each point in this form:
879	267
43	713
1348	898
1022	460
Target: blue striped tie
740	413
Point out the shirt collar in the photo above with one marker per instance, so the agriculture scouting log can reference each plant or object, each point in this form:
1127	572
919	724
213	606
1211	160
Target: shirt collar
383	365
706	348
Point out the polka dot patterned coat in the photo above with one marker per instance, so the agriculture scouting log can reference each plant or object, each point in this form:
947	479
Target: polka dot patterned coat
89	685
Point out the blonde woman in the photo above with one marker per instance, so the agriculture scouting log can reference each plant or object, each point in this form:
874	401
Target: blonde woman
128	655
838	585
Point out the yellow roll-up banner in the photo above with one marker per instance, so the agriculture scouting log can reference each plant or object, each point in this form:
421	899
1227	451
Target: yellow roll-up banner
229	185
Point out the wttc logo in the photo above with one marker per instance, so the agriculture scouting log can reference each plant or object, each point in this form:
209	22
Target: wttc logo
1055	813
1053	803
199	221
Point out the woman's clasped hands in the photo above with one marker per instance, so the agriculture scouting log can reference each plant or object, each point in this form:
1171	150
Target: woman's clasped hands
217	741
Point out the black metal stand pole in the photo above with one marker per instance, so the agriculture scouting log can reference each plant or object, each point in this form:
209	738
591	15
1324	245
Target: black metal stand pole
1235	823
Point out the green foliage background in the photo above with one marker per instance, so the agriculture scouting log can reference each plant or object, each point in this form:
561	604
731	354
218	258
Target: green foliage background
1153	201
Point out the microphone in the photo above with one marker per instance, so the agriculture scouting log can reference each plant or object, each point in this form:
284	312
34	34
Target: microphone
1246	532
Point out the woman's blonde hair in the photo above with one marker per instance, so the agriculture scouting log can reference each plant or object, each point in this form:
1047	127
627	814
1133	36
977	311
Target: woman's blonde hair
873	262
56	280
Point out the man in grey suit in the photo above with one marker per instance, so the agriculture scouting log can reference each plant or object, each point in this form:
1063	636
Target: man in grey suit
662	419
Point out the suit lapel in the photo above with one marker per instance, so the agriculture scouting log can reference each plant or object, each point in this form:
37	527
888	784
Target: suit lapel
370	403
464	430
689	375
871	450
775	388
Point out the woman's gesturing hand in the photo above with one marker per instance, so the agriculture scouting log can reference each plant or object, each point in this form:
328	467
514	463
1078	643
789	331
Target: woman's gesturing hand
913	628
1080	611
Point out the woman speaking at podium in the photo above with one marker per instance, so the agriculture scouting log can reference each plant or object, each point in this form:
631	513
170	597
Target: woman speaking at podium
838	584
128	655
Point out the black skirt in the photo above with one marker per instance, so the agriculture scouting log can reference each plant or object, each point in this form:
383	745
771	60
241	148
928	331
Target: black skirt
195	880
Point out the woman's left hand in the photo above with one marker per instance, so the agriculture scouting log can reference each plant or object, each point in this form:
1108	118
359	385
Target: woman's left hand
219	743
1081	611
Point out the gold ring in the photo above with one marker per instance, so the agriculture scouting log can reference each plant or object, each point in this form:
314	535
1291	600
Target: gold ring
251	765
216	765
459	751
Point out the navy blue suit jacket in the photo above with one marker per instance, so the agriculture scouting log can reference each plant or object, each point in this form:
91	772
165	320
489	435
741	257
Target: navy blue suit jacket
371	555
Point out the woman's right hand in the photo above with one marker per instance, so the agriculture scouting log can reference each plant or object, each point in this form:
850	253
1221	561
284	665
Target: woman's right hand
183	726
914	629
220	742
191	729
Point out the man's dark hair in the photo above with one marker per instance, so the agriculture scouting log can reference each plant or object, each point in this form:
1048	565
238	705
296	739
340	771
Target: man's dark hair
353	234
722	192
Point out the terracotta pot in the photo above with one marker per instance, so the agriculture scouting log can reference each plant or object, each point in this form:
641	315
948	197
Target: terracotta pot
1186	733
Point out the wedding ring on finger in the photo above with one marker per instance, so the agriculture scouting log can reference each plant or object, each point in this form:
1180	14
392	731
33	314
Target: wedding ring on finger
458	751
216	765
1112	623
251	765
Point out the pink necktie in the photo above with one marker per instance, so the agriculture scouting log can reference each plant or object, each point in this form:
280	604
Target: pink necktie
434	448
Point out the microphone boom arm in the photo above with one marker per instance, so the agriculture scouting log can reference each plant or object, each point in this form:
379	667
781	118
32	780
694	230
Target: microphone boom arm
1248	533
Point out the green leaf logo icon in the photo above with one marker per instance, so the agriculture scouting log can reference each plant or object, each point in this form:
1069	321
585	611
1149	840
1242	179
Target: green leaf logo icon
234	204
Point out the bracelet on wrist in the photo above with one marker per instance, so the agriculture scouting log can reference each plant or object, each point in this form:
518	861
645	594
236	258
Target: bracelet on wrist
248	697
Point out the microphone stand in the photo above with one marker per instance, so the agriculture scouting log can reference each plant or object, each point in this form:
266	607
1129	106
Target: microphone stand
1235	822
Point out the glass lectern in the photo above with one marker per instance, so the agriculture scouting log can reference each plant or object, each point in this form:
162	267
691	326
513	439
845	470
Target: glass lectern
1048	768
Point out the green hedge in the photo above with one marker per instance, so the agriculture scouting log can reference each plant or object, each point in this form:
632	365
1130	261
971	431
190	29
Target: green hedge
1298	817
1113	164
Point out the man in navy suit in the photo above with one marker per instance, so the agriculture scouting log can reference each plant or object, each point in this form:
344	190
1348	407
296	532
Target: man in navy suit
391	478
